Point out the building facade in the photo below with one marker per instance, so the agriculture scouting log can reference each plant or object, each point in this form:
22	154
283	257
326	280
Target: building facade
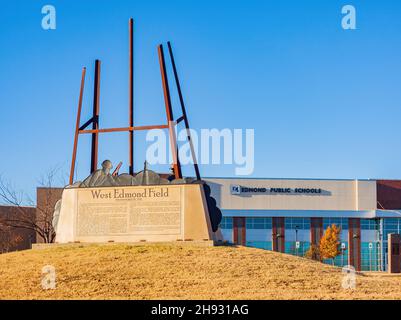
290	215
16	238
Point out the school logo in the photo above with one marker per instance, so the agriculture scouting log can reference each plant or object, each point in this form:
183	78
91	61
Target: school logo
235	189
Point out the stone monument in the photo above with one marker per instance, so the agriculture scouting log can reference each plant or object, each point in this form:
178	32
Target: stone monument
127	208
131	207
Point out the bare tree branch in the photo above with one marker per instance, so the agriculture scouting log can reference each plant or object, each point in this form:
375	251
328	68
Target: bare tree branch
41	223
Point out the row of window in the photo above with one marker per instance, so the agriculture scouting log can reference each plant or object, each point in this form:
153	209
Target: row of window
370	224
370	255
297	223
340	222
390	225
226	223
371	252
259	223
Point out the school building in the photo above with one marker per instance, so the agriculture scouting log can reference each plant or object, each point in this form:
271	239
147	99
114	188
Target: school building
289	215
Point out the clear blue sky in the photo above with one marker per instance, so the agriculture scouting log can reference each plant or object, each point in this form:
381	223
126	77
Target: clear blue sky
324	102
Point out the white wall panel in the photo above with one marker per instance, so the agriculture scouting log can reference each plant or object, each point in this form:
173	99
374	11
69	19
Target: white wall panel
351	195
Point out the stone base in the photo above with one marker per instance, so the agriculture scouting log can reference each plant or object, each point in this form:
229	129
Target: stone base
206	243
161	213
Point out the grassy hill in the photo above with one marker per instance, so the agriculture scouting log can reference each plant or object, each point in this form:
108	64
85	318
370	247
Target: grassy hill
181	272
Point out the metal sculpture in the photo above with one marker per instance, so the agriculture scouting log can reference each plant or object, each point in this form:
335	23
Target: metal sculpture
170	125
103	177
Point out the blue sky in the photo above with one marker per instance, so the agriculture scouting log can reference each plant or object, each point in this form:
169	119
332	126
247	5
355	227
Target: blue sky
324	102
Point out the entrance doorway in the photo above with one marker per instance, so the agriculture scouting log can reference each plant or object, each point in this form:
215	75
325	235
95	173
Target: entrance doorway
239	231
278	235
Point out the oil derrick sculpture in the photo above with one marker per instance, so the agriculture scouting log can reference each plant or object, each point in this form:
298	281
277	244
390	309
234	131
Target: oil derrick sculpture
171	122
104	177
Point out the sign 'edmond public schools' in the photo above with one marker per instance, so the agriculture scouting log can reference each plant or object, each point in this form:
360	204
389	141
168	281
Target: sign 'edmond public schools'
237	190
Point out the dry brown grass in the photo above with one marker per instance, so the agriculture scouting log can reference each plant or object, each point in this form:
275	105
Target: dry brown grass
181	272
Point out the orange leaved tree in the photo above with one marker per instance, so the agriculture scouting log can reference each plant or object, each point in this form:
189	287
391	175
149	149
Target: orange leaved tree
329	246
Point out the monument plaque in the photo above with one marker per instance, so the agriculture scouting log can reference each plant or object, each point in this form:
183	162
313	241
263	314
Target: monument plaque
123	211
154	213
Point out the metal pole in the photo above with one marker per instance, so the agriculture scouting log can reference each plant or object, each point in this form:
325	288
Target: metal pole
115	172
382	254
95	119
74	151
131	95
169	113
184	112
370	259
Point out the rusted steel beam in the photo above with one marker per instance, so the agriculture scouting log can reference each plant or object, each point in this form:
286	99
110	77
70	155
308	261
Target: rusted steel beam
169	113
131	95
138	128
74	151
115	172
95	123
86	124
184	112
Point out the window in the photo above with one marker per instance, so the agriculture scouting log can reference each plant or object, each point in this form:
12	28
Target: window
390	225
339	222
226	223
259	223
297	223
369	224
370	256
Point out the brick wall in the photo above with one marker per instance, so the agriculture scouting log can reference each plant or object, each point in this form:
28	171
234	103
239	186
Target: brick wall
388	194
12	239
